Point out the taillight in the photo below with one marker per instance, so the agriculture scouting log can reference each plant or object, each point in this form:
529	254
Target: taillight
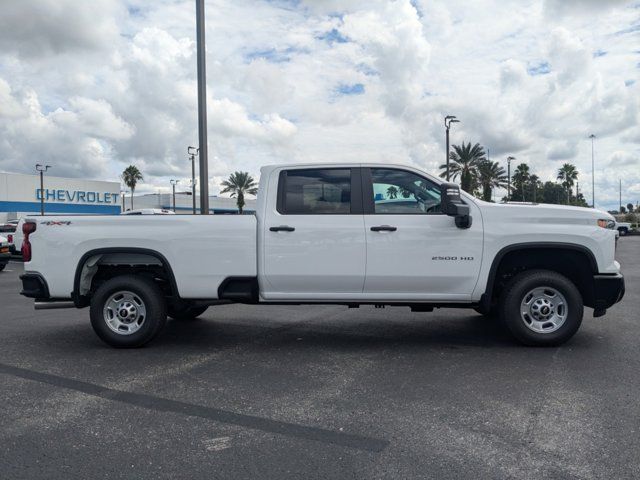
10	238
27	229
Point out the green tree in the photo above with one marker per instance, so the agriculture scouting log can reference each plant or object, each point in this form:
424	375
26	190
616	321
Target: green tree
490	175
239	184
534	187
464	163
392	192
630	207
130	176
520	182
552	193
568	174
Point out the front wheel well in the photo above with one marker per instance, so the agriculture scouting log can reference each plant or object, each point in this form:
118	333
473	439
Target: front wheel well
575	264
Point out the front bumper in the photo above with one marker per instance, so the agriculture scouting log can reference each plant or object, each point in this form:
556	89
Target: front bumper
607	291
34	286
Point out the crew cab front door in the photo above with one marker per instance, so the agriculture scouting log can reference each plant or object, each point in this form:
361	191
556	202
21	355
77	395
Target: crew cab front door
314	238
415	252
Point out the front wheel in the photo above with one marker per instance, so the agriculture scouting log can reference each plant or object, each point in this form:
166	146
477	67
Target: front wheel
623	231
541	308
128	311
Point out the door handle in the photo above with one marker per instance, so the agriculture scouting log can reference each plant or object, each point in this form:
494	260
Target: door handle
282	228
384	228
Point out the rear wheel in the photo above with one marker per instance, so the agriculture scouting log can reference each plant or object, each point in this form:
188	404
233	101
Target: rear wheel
128	311
2	265
541	308
623	231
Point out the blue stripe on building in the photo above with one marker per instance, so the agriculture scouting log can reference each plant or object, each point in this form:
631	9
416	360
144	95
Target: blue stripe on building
59	208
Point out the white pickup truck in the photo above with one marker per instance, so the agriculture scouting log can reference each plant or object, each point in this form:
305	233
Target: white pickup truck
349	234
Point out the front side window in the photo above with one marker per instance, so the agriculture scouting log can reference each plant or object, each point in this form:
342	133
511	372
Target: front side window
402	192
316	192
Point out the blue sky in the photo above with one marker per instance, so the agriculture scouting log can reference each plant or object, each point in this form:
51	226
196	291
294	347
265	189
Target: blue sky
94	86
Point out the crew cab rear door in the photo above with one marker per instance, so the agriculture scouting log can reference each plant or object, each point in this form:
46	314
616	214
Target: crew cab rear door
415	252
313	236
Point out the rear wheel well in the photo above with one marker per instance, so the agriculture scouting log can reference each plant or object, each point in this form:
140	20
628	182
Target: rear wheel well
96	267
577	265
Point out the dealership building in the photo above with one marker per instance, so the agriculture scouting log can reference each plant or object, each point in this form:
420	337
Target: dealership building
21	195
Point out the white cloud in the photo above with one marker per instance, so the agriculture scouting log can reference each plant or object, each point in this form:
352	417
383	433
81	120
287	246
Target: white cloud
93	86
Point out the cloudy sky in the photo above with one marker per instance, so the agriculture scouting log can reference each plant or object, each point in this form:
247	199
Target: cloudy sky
91	87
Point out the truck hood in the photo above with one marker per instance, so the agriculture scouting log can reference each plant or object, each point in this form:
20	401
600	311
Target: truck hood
545	213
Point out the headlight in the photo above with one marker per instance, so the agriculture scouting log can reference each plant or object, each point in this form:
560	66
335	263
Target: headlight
604	223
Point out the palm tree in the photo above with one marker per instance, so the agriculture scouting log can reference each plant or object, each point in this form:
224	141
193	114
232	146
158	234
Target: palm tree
130	176
392	192
521	177
568	174
534	182
465	161
238	184
491	175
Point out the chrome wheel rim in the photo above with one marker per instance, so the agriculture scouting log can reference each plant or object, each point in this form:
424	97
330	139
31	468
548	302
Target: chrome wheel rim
124	312
544	309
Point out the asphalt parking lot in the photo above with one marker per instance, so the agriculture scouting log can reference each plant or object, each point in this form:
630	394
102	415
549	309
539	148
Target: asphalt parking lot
319	392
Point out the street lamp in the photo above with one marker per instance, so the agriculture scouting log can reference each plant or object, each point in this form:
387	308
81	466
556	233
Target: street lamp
42	168
593	174
193	151
124	196
173	185
448	120
509	177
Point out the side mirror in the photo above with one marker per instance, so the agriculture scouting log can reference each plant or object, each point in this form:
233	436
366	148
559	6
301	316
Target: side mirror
453	205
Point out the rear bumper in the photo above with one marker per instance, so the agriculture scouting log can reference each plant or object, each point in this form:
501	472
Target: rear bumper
607	291
34	286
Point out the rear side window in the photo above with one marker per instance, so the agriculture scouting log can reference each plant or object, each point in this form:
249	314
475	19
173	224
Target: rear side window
315	191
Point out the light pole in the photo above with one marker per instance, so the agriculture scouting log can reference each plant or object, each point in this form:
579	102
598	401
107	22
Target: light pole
193	151
202	109
124	196
173	186
448	120
593	174
509	177
42	168
620	193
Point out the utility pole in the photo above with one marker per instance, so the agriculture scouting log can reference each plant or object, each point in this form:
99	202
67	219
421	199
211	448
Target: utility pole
173	185
620	193
577	191
448	120
124	196
42	168
593	174
193	151
202	108
509	177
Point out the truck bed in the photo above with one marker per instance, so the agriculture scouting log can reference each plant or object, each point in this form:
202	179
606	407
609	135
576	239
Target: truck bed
202	250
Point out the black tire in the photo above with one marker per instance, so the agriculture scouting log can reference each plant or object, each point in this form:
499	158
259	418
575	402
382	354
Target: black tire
146	292
623	231
185	312
2	265
519	288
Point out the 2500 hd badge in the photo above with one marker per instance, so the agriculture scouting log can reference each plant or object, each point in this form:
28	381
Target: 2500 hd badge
453	259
